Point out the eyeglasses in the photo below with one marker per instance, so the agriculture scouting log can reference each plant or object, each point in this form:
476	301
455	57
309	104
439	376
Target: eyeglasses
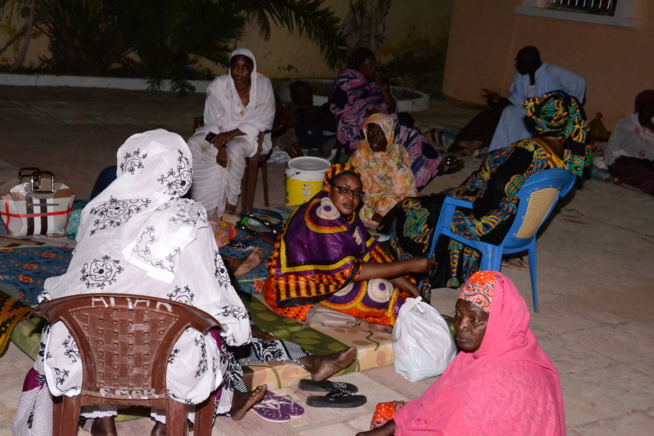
345	191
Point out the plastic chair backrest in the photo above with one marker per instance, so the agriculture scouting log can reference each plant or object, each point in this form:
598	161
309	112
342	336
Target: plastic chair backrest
537	198
125	343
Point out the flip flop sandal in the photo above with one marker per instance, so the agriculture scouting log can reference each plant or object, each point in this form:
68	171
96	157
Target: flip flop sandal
257	227
452	165
268	217
516	263
286	405
338	399
270	410
326	386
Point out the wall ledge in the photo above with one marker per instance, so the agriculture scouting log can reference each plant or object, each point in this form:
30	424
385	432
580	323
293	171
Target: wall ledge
131	84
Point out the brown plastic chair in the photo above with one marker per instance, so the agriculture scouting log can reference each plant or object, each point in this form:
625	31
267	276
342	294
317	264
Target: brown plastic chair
249	182
125	342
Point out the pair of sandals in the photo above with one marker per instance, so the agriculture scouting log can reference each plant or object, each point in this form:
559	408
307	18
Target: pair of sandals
339	395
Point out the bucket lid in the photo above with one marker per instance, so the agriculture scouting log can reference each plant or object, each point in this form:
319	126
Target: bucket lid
309	164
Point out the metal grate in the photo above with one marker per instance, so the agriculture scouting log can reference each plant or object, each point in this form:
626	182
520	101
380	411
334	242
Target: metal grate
597	7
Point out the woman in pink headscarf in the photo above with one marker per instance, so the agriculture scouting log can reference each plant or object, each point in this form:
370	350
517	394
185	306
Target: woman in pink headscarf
500	383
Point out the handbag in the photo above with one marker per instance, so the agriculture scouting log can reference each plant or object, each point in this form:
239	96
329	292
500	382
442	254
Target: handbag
35	204
423	344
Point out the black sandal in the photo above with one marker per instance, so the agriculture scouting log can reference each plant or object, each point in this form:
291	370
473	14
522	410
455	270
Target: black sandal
337	398
326	386
452	165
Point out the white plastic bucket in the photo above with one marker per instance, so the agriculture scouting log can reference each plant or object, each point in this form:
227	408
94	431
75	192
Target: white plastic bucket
304	176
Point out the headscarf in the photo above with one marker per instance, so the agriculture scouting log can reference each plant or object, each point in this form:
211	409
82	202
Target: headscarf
337	170
561	115
479	291
253	77
385	122
514	386
358	57
154	170
644	100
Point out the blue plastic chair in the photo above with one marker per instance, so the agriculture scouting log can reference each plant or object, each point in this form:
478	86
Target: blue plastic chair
537	199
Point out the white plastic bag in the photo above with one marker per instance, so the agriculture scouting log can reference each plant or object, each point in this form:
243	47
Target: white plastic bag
423	344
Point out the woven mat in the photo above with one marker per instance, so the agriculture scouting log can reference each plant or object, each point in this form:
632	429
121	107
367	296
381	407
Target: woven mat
12	312
26	268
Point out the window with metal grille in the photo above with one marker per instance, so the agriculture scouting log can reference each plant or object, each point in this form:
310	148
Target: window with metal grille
599	7
606	12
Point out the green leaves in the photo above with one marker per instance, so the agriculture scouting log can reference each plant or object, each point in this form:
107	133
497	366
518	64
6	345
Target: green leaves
167	36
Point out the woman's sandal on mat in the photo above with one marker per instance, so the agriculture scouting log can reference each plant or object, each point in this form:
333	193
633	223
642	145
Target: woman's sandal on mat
337	398
326	386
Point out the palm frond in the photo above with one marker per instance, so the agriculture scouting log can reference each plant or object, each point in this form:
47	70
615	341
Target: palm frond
306	17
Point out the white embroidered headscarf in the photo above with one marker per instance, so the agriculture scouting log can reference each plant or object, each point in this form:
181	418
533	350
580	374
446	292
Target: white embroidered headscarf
154	170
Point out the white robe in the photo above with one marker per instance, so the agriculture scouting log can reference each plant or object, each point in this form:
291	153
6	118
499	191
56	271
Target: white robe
213	185
139	237
629	138
512	126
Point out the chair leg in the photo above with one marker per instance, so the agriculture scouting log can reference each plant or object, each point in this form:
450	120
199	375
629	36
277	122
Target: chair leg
69	410
532	273
339	150
176	418
264	176
204	417
250	181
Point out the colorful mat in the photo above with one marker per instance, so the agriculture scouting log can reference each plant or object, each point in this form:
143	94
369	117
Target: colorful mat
27	268
12	312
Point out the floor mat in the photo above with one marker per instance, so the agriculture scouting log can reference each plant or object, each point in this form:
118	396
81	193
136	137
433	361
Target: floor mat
373	349
27	268
12	312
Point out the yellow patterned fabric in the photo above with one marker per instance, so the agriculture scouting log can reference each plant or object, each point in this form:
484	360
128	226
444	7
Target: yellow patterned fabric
386	176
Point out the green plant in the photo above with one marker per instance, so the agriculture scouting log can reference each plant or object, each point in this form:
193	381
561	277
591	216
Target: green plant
168	34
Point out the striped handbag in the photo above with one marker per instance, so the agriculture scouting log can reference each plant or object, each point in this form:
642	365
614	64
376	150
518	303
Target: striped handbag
35	204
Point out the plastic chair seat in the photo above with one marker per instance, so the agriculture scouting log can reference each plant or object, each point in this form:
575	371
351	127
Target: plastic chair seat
125	343
536	200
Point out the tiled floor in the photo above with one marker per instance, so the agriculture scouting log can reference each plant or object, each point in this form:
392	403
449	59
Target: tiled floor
595	266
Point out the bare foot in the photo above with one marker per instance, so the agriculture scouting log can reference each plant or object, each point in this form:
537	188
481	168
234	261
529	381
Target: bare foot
244	401
323	367
244	266
230	209
104	427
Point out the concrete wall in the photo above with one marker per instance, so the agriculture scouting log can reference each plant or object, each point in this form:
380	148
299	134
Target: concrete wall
410	23
485	36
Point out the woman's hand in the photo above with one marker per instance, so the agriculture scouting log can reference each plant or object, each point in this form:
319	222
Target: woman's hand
468	197
405	285
387	429
386	92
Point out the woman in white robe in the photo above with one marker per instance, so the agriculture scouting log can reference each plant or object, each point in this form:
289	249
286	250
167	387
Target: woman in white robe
240	106
139	237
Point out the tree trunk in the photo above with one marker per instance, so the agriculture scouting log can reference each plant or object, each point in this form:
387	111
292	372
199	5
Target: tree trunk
365	24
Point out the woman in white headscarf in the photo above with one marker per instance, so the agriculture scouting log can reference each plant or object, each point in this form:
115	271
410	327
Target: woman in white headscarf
139	237
239	110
